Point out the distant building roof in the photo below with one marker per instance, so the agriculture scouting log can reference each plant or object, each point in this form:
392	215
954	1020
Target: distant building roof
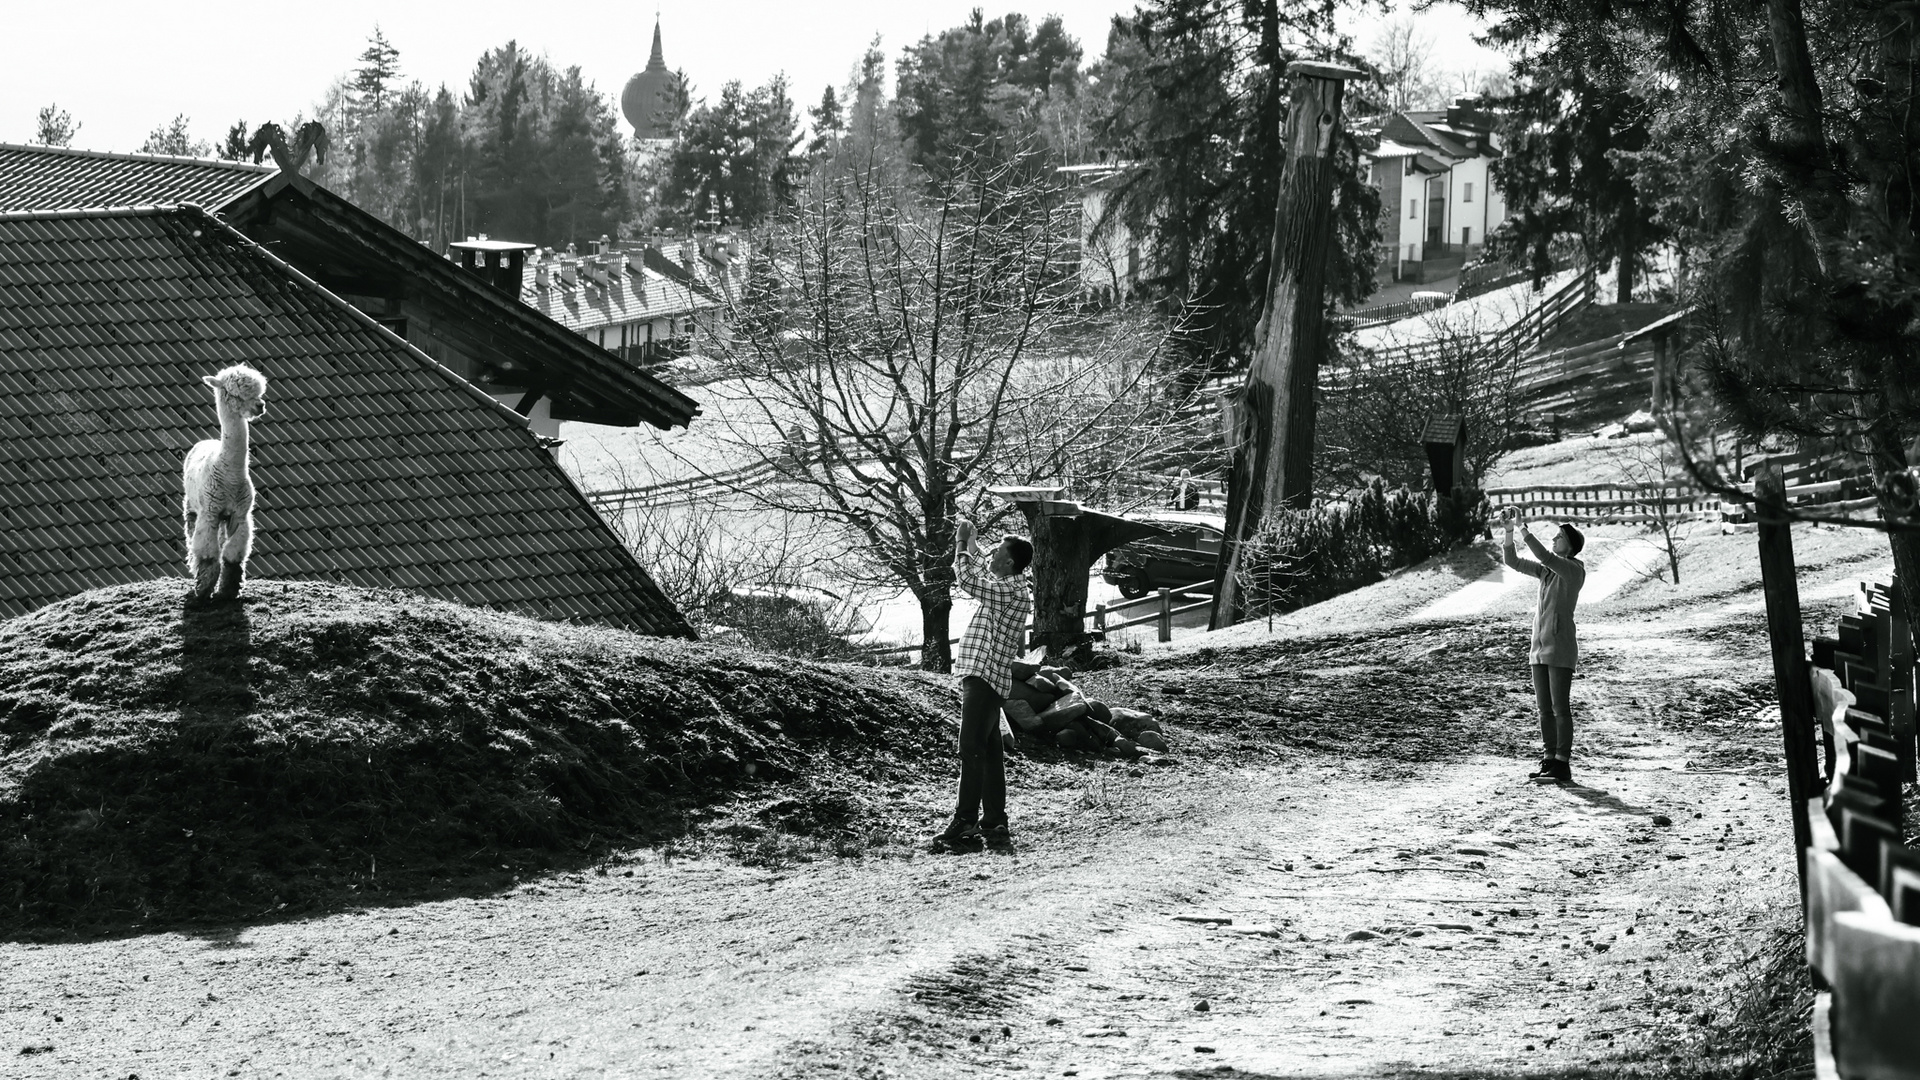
1390	149
1418	129
51	177
622	293
375	465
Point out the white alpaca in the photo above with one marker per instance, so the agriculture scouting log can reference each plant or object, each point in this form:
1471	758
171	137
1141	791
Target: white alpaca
219	492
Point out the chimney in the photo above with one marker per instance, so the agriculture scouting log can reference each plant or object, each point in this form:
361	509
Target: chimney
499	263
569	273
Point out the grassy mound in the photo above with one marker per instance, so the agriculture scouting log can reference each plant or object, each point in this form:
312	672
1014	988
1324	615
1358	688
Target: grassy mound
318	744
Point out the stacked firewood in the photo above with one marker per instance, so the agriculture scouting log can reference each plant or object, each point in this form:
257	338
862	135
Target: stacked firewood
1047	706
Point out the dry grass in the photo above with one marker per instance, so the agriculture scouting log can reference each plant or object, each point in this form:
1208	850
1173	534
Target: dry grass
322	744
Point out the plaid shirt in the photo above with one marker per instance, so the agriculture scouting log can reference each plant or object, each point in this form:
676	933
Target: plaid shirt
992	641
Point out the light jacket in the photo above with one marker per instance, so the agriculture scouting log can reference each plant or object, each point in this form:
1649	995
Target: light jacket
1560	581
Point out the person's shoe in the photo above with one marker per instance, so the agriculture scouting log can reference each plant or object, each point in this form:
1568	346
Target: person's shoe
957	838
1562	771
997	838
1544	774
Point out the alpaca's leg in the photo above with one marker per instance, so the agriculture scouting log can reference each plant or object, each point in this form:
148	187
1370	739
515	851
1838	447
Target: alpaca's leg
233	557
190	518
205	556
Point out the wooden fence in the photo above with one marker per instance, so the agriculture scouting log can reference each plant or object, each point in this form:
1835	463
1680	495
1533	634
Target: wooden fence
1159	609
1861	881
1607	504
1524	334
679	492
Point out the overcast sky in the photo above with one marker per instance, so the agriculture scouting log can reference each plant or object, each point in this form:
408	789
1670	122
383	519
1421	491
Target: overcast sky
123	68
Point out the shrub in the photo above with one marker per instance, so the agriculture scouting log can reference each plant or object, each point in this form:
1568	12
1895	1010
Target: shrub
1301	557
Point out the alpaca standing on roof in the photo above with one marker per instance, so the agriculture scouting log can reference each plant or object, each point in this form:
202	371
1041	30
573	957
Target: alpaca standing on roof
219	492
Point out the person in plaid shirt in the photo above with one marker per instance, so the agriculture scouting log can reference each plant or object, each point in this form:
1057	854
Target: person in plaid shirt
984	668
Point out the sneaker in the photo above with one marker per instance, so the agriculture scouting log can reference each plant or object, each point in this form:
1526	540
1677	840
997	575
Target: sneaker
1544	772
997	838
957	838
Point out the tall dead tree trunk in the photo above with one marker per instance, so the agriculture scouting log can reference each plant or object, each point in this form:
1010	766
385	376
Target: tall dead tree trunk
1272	429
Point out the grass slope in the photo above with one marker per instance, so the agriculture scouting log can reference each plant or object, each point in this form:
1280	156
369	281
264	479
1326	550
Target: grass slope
320	744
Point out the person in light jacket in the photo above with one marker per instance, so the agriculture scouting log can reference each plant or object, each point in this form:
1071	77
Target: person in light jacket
1555	651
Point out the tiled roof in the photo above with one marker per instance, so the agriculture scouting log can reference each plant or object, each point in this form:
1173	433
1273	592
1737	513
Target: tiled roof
629	294
356	244
1411	129
51	178
374	465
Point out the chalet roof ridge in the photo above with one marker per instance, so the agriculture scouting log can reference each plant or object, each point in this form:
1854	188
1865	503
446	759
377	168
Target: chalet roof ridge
132	155
256	249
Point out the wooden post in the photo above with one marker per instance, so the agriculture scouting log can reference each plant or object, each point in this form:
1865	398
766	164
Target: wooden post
1166	615
1792	681
1271	437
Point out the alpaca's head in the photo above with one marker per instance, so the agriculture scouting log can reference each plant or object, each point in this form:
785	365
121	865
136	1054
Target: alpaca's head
240	389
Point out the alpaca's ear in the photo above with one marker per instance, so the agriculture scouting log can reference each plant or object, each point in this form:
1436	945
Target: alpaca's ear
208	379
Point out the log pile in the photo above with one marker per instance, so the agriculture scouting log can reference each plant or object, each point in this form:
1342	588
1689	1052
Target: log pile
1046	706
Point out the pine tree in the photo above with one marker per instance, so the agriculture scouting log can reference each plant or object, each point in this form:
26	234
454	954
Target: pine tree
234	146
55	127
828	123
379	70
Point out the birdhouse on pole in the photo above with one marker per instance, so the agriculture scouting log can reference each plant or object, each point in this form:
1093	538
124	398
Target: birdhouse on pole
1445	438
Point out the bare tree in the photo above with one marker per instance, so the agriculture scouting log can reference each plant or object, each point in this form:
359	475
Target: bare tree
1375	401
901	348
1655	478
55	127
1402	57
1476	81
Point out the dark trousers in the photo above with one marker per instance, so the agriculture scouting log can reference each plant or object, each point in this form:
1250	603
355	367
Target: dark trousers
983	771
1553	691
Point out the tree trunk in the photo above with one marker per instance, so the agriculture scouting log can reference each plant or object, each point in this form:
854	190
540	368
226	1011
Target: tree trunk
1063	552
1629	251
1060	565
1272	447
1815	184
936	617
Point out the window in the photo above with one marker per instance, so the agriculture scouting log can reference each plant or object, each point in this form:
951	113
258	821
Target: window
1468	197
1413	208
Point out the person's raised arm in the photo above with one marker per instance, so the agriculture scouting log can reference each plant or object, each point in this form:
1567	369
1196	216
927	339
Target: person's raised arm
1508	555
1559	564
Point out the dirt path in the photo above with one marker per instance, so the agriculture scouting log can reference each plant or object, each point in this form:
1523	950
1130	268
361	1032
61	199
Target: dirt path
1443	915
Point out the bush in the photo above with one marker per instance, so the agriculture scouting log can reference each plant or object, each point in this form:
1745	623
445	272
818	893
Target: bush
1301	557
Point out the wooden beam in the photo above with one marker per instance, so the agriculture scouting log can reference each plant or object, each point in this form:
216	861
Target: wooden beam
1792	681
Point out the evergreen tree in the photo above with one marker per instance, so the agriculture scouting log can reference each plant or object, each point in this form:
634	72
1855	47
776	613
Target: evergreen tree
1794	135
378	72
1197	109
1570	139
734	159
54	127
173	138
828	123
234	146
976	88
